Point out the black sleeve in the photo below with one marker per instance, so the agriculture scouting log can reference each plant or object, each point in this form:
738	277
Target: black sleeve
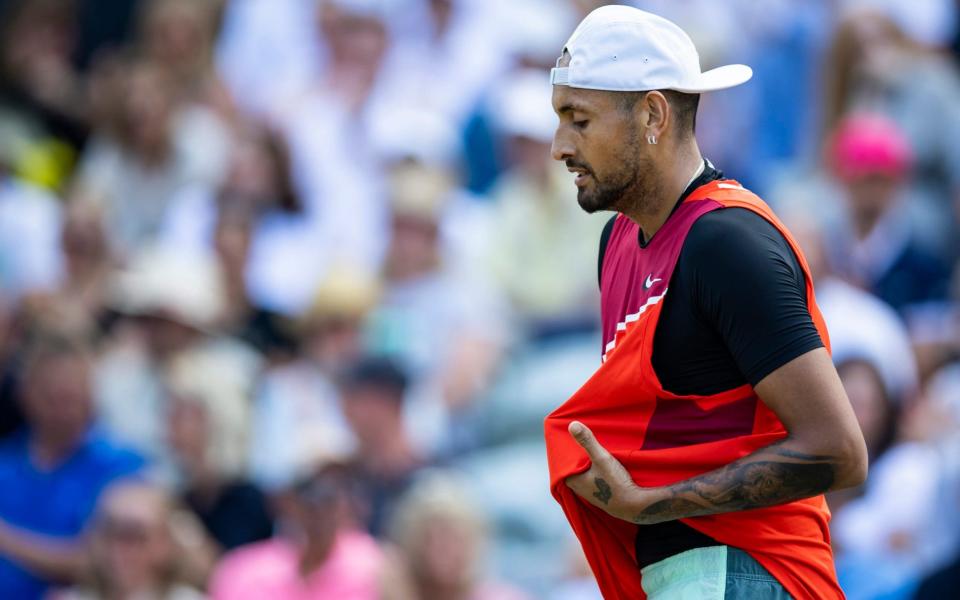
748	286
604	240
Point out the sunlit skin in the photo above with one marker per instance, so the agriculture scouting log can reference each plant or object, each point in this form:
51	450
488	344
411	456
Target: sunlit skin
616	169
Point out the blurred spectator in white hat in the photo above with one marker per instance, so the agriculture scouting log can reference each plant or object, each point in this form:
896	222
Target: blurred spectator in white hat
170	304
141	545
317	553
207	433
543	249
440	541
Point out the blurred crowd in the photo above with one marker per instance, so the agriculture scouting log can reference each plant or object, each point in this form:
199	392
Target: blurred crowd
287	286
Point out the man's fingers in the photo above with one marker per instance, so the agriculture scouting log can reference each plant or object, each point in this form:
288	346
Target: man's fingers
584	437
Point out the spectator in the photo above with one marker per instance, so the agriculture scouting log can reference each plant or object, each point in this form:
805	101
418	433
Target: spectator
317	554
87	261
257	225
58	465
179	35
896	533
150	147
874	66
171	304
880	249
297	415
444	324
207	435
440	540
30	222
942	419
543	247
372	393
136	549
327	128
39	84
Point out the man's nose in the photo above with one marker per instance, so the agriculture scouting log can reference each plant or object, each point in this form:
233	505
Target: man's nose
561	149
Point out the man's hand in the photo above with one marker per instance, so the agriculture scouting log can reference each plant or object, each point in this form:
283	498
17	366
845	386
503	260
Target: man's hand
607	484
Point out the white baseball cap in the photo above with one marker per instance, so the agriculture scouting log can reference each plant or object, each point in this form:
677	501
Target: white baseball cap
624	49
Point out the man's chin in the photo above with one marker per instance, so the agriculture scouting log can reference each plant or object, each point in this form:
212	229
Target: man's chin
590	203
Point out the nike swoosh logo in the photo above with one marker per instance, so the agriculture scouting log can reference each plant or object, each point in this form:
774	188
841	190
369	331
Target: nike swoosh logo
649	282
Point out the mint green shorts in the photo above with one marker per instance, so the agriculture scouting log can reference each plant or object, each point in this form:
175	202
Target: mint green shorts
711	573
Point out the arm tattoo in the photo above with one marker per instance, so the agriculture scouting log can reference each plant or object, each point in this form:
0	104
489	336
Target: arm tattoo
775	475
603	493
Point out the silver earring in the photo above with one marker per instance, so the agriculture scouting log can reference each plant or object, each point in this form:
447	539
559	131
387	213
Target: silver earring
651	139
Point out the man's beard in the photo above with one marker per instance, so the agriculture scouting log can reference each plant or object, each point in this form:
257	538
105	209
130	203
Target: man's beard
628	188
605	196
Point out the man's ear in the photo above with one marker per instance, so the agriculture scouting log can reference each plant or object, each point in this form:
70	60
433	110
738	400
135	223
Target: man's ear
657	115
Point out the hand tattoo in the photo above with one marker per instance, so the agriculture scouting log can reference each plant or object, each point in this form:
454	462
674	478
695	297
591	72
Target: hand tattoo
603	493
780	475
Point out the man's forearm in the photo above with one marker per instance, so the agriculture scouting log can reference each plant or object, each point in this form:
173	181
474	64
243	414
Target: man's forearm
47	557
772	475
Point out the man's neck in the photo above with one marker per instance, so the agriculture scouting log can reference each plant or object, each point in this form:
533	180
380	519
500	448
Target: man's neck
652	213
393	455
49	451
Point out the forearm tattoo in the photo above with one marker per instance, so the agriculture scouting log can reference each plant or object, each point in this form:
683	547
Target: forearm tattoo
774	475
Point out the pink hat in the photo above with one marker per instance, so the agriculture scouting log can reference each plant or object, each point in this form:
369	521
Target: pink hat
869	144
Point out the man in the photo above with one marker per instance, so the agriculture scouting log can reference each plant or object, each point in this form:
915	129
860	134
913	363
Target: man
385	462
716	398
55	469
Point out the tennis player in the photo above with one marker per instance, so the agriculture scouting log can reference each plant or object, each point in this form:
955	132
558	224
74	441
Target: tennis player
693	463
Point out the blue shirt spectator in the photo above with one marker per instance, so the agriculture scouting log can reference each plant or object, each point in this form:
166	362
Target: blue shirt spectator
53	472
54	501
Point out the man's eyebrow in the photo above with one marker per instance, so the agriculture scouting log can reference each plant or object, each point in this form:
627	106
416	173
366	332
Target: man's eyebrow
571	107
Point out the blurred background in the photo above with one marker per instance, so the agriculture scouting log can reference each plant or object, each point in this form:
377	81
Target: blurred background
288	286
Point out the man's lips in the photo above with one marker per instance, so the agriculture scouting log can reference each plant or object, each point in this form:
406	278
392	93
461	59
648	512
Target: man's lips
582	175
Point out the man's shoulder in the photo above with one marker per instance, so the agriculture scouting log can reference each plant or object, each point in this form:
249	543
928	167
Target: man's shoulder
13	448
731	232
101	452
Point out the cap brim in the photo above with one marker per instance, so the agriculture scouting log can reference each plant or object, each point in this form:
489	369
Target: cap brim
720	78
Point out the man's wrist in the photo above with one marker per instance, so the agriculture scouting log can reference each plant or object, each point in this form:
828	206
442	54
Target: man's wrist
642	499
